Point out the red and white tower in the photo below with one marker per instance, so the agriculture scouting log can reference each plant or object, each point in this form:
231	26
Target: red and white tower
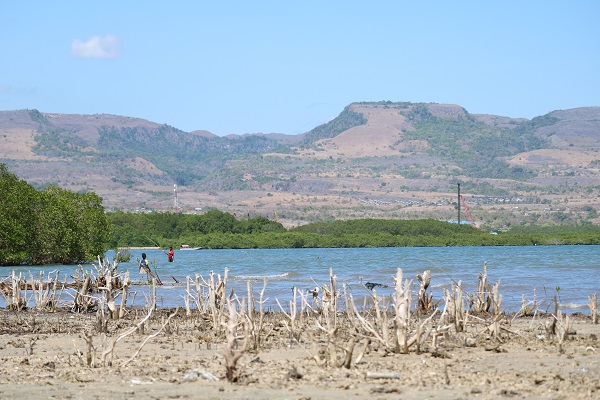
175	203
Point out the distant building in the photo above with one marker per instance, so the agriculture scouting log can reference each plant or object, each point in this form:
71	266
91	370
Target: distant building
453	221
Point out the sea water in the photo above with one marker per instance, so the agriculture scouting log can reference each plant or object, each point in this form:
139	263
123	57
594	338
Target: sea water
571	273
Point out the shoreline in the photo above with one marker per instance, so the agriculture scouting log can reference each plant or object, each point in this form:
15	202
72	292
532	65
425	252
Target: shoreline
326	343
44	355
139	248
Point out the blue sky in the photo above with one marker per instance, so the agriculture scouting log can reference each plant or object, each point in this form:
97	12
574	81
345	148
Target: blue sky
288	66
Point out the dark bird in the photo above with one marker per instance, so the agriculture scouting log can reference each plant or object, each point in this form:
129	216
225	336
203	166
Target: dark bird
371	285
314	292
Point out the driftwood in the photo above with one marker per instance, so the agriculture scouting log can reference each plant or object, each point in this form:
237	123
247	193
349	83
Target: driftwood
125	288
456	311
15	300
108	344
402	309
425	301
330	353
528	309
374	325
563	327
292	316
216	298
593	305
481	301
255	325
45	293
83	301
152	277
339	331
232	321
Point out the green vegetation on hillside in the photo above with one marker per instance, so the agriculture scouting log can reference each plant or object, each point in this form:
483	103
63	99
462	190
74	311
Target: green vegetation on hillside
428	149
479	148
346	120
54	141
48	226
185	158
171	150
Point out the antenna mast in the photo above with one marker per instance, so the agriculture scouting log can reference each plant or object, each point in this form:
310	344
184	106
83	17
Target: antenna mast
458	202
175	203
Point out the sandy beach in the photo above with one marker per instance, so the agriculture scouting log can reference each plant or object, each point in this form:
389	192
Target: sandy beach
44	356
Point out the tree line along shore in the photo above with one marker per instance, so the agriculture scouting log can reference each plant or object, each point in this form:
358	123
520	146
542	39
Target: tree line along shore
53	225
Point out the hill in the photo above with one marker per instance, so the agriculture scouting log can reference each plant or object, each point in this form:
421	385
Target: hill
375	160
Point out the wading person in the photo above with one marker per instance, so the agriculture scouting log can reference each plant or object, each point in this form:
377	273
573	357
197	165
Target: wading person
144	267
171	254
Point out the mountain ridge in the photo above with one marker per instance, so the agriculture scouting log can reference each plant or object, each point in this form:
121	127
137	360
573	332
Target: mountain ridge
381	152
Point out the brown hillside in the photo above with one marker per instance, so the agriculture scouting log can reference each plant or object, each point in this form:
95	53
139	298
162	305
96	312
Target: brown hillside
16	144
370	170
87	126
202	133
380	136
577	129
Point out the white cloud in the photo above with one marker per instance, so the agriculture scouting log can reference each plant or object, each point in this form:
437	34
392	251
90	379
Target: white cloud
96	47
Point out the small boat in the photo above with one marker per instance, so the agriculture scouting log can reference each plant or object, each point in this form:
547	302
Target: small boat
186	247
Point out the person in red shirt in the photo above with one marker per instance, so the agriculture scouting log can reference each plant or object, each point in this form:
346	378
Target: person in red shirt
171	254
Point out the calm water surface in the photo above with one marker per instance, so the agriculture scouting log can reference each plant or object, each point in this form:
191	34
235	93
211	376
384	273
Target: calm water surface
573	270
